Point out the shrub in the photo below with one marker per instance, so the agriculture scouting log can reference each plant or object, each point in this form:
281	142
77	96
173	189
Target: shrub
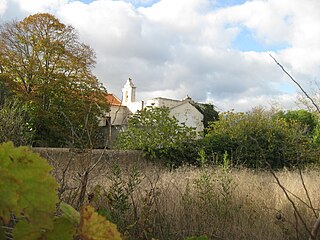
155	132
256	139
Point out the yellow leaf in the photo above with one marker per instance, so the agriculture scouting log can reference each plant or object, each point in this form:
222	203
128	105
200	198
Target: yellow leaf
96	227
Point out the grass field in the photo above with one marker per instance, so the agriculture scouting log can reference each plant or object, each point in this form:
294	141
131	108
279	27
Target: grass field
147	201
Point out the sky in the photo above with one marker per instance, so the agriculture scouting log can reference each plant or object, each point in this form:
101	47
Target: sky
215	51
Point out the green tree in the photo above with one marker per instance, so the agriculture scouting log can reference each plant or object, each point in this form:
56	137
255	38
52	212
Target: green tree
4	92
46	66
154	131
257	137
304	117
14	123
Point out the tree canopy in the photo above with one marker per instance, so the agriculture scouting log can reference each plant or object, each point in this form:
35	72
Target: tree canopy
258	138
304	117
46	66
154	131
13	123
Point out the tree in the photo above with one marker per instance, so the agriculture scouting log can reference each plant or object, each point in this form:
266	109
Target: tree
14	124
4	92
257	137
46	66
154	131
302	116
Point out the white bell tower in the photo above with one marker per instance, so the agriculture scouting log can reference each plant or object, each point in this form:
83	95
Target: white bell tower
128	93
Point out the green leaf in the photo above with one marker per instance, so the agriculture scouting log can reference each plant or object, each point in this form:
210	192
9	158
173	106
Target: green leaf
26	231
8	192
198	238
2	233
27	189
70	213
63	228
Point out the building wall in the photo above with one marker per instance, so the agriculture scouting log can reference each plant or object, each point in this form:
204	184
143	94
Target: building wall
118	115
182	110
189	115
135	106
163	102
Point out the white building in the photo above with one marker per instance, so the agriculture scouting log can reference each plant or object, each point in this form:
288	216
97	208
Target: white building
183	110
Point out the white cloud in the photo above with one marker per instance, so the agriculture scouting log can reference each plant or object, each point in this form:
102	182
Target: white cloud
41	6
3	6
172	48
141	2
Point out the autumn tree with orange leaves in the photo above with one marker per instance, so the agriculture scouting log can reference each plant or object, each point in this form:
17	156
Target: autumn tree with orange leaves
45	65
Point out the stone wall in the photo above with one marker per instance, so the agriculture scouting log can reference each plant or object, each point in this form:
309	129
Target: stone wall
75	157
80	173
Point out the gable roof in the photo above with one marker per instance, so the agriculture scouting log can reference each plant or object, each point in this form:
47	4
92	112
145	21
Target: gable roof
186	100
113	100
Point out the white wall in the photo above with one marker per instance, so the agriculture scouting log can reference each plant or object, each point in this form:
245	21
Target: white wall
119	116
163	102
188	114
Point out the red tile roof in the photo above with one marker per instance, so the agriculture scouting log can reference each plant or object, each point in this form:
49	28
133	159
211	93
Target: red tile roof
113	100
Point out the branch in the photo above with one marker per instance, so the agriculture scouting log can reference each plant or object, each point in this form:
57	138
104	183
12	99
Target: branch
296	211
315	230
301	88
307	194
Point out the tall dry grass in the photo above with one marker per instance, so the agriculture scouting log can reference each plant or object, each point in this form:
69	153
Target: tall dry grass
148	201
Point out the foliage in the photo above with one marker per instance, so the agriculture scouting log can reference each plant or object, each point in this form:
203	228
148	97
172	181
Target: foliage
14	123
27	190
28	202
4	92
316	135
118	199
308	119
154	131
198	238
256	139
302	116
46	66
209	113
95	227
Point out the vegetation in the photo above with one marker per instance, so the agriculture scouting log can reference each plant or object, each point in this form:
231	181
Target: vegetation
45	66
304	117
49	97
28	203
209	113
155	132
258	139
14	123
4	92
149	201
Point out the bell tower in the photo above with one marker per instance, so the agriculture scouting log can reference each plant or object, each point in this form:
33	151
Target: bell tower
128	93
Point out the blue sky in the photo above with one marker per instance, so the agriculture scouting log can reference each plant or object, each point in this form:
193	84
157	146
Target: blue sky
247	41
219	3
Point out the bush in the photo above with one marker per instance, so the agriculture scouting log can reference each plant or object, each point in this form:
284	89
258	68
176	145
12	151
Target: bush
257	139
155	132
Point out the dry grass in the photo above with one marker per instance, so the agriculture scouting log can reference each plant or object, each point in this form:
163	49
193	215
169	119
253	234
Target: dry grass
222	204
